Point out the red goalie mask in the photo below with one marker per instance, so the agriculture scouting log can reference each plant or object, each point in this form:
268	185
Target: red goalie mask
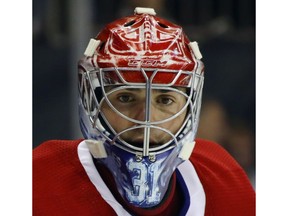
141	59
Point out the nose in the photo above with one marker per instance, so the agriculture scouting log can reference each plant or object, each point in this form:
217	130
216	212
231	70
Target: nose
145	113
140	112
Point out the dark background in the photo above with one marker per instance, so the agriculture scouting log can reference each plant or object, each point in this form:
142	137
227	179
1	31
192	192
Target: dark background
224	30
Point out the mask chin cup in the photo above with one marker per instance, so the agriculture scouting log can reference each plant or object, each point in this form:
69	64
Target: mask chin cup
186	150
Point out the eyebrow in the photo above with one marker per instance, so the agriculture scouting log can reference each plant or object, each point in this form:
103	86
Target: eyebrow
158	90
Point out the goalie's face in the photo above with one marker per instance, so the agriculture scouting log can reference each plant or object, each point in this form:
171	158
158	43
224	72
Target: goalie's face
131	111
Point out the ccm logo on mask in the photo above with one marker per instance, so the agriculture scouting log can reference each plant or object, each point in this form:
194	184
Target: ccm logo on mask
146	62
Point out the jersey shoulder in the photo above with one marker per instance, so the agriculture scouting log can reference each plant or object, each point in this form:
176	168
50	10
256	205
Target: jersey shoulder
212	153
54	147
227	187
60	184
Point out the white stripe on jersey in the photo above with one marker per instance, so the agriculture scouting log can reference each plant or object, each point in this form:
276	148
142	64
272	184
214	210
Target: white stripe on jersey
94	176
195	189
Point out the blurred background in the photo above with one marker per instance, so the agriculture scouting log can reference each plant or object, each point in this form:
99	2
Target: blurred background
224	30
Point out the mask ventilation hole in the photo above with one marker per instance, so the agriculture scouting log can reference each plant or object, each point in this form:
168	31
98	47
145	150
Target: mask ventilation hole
129	23
162	25
101	46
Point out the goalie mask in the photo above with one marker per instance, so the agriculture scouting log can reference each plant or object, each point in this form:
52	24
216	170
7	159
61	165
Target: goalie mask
140	87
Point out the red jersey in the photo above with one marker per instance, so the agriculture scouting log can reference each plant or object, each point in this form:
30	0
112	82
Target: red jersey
66	182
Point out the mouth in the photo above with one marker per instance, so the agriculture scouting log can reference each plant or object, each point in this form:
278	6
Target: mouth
140	144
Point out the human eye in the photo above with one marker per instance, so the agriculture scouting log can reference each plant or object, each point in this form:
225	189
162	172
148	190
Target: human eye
165	100
125	98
